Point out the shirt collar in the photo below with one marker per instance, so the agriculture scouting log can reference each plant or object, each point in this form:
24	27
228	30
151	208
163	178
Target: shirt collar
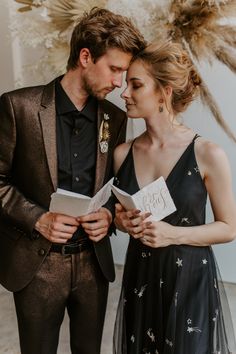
64	105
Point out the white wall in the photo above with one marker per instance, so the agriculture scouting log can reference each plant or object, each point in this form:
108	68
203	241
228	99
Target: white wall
223	86
6	60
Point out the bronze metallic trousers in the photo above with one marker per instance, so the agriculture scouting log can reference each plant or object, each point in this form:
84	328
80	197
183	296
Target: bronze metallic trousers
73	282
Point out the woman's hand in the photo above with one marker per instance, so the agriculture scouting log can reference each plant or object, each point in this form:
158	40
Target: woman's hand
132	221
158	234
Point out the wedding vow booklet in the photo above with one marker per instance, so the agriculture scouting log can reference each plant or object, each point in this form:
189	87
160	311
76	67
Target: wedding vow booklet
154	198
75	204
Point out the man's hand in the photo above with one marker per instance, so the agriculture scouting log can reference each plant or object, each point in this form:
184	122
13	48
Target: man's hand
96	224
57	228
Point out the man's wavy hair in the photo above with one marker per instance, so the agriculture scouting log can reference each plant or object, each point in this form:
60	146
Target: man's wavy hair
101	29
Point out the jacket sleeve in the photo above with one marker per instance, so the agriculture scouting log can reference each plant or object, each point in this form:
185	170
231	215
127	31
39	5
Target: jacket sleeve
14	207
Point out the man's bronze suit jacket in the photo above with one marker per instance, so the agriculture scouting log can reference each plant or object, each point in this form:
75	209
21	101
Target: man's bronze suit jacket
28	177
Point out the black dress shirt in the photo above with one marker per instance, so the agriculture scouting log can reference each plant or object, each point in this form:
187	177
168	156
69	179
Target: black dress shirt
76	144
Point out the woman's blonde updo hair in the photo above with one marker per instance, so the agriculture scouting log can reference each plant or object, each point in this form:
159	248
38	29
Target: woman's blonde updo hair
169	65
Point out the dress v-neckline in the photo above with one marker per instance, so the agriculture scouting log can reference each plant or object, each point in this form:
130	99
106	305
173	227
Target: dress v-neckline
172	169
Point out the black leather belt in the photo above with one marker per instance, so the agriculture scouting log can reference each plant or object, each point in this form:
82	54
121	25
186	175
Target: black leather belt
71	248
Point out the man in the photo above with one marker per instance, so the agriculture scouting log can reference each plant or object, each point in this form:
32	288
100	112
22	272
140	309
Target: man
63	135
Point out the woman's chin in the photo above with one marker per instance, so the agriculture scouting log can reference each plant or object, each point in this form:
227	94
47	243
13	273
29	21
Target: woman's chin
133	116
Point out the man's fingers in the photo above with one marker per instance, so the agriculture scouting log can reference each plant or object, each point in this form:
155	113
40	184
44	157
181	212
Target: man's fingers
64	219
95	225
90	217
98	237
58	237
63	228
97	232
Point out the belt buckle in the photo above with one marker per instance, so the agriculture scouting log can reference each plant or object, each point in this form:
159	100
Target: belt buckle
80	247
63	250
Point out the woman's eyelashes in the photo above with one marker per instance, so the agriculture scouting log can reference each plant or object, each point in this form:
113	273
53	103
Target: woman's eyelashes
136	86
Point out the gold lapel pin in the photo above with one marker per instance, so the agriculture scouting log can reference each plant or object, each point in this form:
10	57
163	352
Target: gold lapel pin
104	134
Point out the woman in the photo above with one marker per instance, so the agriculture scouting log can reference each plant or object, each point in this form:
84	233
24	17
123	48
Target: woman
170	300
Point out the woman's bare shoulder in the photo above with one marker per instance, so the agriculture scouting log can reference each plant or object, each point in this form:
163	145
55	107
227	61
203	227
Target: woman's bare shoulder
209	155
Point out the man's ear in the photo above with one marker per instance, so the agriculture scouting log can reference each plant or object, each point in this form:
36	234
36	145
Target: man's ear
84	57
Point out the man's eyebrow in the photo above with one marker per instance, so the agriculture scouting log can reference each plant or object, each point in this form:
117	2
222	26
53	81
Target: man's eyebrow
135	78
118	67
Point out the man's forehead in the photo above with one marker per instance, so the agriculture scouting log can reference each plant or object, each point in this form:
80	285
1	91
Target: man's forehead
117	53
117	58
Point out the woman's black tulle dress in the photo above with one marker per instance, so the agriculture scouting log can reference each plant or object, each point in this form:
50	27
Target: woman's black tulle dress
172	300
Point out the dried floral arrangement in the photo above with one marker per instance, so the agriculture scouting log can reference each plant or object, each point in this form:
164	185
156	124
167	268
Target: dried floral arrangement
201	26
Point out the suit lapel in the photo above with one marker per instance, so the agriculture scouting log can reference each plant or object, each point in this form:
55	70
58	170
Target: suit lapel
101	157
47	116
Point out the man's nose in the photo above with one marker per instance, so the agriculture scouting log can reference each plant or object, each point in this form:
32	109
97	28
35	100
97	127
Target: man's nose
117	81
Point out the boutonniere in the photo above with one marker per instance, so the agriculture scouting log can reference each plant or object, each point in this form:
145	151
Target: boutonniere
104	134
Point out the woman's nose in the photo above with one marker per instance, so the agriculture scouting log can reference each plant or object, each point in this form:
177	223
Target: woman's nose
125	94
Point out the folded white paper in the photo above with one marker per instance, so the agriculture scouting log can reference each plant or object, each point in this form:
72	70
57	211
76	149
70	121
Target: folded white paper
154	198
75	204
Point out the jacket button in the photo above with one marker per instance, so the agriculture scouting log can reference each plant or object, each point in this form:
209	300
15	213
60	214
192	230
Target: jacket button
41	252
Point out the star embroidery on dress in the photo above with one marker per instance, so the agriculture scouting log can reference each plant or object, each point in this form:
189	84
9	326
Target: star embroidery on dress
179	262
189	321
185	220
141	291
132	338
196	169
204	261
193	329
144	254
140	294
151	335
189	173
168	342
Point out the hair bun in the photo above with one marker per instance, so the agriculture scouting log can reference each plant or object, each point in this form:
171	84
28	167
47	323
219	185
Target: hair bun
195	78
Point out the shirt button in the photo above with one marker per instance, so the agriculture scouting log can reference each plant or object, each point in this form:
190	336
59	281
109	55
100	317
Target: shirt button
77	179
41	252
76	131
75	154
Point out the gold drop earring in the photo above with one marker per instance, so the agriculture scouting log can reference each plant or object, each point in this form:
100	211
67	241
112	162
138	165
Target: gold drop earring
161	101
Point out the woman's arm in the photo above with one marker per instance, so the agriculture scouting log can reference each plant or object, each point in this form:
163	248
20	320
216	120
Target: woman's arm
215	170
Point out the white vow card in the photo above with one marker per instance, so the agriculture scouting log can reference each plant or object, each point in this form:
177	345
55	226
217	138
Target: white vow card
154	198
75	204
